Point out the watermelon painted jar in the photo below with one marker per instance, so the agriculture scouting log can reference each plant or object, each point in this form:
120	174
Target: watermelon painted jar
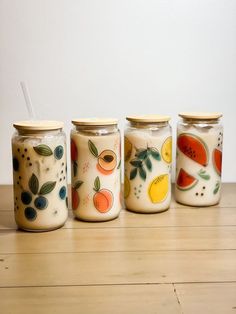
39	175
95	169
148	156
199	159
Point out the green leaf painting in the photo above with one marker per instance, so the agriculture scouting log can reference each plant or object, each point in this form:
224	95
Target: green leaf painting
148	164
143	160
93	148
78	184
142	173
119	164
155	153
133	173
141	153
43	150
33	184
202	173
97	184
47	187
217	187
136	163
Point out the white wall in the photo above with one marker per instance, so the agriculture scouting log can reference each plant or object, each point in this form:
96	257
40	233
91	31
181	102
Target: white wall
113	58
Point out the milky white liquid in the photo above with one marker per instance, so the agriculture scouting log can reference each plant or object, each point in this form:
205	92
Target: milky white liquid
46	169
202	194
87	172
139	199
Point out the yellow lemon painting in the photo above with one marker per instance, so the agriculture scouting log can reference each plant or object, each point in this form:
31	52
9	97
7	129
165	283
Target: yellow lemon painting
158	188
166	150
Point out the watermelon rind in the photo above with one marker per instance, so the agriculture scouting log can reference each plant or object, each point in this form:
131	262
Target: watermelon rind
190	186
201	141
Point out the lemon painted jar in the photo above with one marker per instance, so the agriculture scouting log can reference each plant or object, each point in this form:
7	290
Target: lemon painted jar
95	169
147	170
199	159
39	175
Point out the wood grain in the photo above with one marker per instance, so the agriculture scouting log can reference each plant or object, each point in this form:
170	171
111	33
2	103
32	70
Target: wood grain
217	298
123	240
179	261
117	268
185	217
123	299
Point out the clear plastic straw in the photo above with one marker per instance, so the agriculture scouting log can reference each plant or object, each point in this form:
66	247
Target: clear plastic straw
28	101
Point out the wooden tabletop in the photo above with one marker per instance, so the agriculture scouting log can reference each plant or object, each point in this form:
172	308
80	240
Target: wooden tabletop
179	261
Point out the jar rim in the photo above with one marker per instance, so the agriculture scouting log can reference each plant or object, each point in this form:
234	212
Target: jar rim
152	118
201	115
95	121
38	125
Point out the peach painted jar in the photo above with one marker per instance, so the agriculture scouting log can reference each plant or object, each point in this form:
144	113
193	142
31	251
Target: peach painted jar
148	157
199	159
95	169
39	175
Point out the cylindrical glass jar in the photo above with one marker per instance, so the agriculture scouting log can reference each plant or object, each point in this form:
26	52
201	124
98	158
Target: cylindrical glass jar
148	156
199	159
95	169
39	175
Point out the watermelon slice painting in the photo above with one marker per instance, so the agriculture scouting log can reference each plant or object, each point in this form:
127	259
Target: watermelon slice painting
194	148
217	160
185	181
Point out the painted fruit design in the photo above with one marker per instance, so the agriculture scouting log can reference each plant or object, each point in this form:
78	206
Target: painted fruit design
166	150
75	195
107	160
158	188
142	162
58	152
126	187
74	156
217	160
103	198
33	195
185	181
36	195
128	148
193	147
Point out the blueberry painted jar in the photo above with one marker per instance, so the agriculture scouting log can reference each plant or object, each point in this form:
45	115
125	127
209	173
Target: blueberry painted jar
95	169
199	159
39	175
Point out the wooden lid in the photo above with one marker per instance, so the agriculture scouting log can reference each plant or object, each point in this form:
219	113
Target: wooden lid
38	125
201	115
148	118
95	121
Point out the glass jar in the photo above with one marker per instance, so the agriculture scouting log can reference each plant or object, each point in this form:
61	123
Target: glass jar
148	156
95	169
199	159
39	175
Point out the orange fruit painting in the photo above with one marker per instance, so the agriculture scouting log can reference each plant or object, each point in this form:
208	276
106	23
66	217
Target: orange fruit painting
103	198
107	159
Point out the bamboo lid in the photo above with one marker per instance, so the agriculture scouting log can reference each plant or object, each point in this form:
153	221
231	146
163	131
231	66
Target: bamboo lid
201	115
38	125
95	121
148	118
